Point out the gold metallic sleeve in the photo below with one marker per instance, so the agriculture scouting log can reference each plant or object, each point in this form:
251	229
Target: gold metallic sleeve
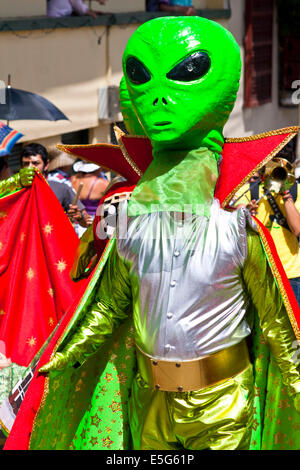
273	318
111	306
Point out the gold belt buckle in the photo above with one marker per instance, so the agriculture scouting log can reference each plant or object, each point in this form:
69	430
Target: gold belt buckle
193	375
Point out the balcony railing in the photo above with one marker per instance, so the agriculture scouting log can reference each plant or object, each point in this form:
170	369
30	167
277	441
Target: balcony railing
133	17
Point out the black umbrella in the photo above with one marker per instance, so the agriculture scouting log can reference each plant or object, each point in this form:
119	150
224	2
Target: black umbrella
21	104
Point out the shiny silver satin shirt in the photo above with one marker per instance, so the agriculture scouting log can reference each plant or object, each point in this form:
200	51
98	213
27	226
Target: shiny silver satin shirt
187	288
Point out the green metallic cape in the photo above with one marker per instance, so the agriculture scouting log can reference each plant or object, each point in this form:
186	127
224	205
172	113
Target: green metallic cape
86	408
276	423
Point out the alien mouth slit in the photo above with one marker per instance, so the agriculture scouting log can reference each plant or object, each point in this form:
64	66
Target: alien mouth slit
163	123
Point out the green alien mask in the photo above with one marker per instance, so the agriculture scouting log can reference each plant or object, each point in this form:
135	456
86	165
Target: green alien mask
182	75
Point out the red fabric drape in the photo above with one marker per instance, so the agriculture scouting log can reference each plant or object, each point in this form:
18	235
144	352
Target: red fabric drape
19	437
37	245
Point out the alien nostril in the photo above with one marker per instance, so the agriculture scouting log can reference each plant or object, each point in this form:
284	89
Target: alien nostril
155	102
164	101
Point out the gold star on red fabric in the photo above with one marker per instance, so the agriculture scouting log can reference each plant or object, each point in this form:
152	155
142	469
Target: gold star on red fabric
61	265
30	274
31	341
51	292
48	228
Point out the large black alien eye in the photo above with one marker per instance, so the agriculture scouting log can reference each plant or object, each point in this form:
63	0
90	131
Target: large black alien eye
191	68
136	71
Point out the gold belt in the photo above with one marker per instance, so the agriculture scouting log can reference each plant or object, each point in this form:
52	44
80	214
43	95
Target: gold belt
197	374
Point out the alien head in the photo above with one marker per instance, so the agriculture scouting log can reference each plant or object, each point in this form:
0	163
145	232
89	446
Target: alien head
182	74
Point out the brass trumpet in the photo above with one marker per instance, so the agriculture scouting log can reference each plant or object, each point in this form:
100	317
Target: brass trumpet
278	175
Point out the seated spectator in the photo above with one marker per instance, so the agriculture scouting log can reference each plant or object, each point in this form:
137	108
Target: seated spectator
36	156
58	8
183	7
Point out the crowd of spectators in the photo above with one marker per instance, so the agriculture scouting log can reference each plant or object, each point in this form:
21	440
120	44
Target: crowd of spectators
64	175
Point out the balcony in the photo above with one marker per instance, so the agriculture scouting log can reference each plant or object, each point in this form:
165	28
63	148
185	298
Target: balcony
17	15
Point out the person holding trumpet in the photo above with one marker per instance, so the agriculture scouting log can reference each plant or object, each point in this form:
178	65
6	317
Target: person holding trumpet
273	197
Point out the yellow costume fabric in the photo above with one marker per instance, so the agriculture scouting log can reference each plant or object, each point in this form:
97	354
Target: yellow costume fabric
216	418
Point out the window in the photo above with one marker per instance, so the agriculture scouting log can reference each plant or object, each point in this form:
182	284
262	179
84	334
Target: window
258	52
76	138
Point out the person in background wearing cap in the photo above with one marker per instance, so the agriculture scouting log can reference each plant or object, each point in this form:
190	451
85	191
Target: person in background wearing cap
35	155
94	185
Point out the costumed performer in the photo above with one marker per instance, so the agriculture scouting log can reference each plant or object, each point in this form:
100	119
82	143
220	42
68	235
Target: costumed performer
187	269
